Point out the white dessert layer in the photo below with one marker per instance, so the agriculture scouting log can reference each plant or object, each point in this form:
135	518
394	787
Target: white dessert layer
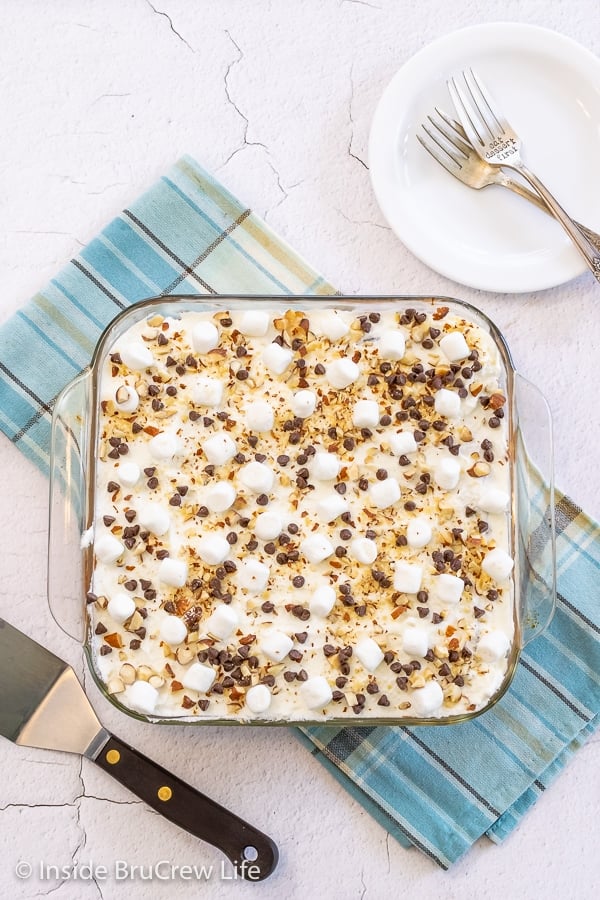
303	501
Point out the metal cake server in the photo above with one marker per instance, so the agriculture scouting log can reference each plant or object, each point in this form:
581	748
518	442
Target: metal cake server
42	704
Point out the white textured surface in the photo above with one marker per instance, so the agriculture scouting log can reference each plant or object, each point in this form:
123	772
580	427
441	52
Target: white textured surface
98	99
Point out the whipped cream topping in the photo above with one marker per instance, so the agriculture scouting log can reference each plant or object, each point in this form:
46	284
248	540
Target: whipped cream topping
303	515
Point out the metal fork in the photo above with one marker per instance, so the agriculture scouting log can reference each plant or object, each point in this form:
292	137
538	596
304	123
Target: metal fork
498	144
446	141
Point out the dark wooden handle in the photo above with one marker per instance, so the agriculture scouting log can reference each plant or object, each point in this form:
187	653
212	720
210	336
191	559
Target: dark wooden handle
253	854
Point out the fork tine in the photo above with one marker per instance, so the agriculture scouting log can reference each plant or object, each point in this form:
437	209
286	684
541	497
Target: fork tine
444	159
454	137
455	126
467	115
483	103
491	105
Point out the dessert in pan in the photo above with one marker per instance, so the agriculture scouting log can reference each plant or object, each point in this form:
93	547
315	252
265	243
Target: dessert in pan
302	513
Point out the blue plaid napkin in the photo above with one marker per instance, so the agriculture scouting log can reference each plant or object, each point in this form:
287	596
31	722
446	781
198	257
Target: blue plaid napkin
439	789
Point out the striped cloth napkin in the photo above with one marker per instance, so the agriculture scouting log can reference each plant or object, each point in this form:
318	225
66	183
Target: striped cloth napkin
439	789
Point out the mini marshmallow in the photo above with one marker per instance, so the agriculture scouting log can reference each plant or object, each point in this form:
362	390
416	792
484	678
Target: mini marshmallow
277	358
276	645
331	325
258	698
219	448
173	631
331	506
363	550
121	607
428	699
322	600
207	391
164	446
402	443
493	646
325	466
259	416
315	692
493	500
384	493
252	575
142	697
303	404
254	323
419	532
369	653
136	356
222	621
447	403
257	477
205	337
365	414
447	473
268	526
219	496
415	641
454	346
107	548
407	577
198	678
173	572
128	473
130	398
212	549
497	564
392	344
316	548
448	588
341	373
154	518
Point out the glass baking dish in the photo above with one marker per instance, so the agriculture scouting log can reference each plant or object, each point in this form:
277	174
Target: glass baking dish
72	488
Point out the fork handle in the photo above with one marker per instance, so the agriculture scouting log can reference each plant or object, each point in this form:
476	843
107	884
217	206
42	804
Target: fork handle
589	252
533	197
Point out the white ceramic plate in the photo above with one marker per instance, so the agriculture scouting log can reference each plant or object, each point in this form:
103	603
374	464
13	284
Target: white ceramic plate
549	89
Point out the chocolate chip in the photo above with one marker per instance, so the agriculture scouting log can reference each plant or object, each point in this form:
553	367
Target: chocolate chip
298	581
262	500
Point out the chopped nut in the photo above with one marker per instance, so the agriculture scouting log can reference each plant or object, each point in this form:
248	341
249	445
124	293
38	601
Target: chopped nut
127	673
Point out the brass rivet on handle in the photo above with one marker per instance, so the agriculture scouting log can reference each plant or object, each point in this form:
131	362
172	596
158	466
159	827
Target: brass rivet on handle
113	757
165	793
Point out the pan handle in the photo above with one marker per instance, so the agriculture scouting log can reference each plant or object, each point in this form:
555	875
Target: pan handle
253	854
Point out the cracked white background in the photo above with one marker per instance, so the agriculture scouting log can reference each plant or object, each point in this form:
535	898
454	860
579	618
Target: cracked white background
98	99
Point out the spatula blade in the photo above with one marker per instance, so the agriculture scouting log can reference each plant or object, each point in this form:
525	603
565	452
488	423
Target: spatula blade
42	703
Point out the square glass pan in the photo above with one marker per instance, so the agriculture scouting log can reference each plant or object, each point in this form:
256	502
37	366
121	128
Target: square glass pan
74	441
